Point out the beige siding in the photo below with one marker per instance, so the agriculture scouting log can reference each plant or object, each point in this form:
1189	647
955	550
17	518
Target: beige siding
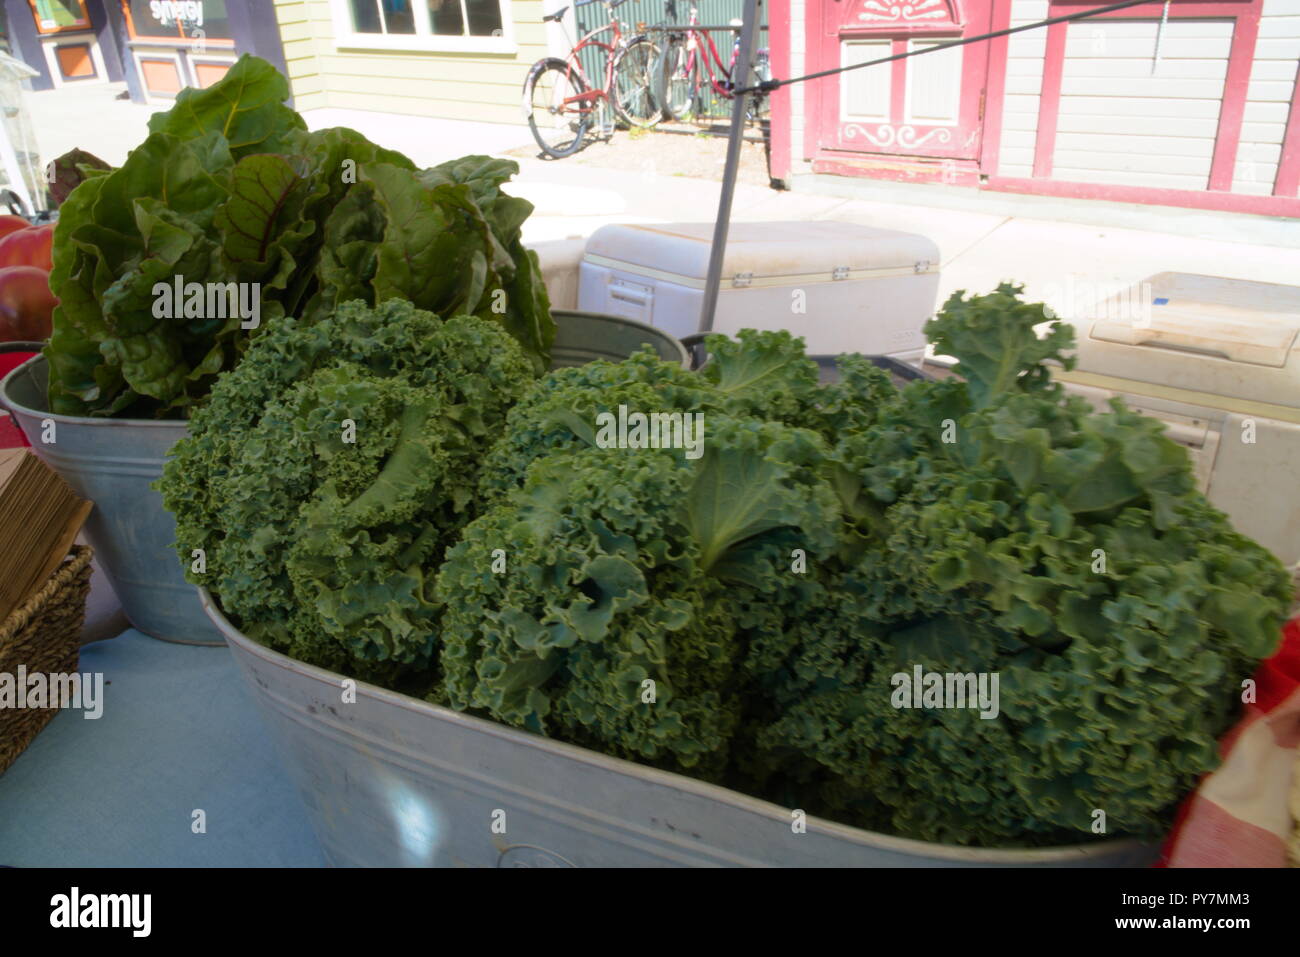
299	41
1121	124
295	32
1164	135
455	85
309	101
1268	98
1024	83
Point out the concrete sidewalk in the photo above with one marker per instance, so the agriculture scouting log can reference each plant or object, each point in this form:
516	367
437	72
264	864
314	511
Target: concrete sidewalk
1053	259
92	118
980	244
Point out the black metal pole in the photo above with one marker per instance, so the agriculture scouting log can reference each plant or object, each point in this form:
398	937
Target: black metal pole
740	80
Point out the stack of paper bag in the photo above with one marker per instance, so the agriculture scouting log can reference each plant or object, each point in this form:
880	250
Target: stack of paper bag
39	520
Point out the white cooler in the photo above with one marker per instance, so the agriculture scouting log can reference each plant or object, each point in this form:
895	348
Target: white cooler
1218	361
842	287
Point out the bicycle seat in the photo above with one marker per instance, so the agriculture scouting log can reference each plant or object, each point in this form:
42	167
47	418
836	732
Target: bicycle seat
557	16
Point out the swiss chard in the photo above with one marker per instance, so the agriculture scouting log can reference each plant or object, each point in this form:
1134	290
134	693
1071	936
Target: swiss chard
230	187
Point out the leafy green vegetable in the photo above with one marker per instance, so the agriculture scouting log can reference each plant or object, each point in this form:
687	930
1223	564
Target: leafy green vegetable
618	572
230	187
330	470
994	339
743	615
70	170
1065	551
559	411
995	526
246	107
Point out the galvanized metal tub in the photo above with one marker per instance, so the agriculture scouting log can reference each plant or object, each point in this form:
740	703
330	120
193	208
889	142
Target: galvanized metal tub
393	781
113	462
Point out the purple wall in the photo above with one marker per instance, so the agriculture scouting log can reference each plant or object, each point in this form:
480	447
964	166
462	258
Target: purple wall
252	24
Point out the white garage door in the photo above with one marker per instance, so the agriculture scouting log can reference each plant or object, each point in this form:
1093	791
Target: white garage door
1121	123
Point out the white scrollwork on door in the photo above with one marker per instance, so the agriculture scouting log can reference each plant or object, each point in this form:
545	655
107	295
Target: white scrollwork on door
875	11
886	136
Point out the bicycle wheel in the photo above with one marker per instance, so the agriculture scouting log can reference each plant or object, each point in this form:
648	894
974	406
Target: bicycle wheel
674	82
635	102
557	125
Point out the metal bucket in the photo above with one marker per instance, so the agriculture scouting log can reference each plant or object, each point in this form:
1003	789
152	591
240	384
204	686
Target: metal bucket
112	462
392	781
582	337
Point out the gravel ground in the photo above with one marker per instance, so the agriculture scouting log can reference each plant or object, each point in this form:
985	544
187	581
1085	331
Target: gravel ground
699	156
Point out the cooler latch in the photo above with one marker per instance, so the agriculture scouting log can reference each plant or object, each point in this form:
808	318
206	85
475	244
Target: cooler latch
922	265
742	279
840	272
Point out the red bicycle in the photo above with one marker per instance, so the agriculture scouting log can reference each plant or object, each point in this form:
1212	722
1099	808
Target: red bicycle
562	104
691	77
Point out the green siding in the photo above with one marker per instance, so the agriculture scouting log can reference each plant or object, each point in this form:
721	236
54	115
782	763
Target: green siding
661	12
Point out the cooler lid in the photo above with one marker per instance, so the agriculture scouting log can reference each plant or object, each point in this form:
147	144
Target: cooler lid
1240	321
1199	340
680	251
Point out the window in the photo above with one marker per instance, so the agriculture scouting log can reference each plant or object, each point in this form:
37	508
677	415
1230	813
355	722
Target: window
452	25
867	92
934	84
383	16
177	20
53	16
930	84
449	17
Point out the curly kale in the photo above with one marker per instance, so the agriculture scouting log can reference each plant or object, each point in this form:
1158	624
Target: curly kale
621	568
559	410
331	469
1003	527
991	525
743	615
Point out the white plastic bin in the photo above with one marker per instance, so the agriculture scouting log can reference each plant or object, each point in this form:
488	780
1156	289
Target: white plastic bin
841	286
1218	362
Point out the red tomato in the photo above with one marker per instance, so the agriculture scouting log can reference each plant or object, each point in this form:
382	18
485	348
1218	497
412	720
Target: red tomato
28	247
10	224
26	304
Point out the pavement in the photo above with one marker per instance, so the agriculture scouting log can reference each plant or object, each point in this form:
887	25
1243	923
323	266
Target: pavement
1063	261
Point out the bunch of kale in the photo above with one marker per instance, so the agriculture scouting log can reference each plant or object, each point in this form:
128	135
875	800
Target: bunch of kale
330	470
741	617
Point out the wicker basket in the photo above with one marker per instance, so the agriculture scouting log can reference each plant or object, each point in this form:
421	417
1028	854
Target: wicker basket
44	634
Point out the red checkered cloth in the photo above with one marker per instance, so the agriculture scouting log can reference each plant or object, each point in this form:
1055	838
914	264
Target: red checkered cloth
1243	814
